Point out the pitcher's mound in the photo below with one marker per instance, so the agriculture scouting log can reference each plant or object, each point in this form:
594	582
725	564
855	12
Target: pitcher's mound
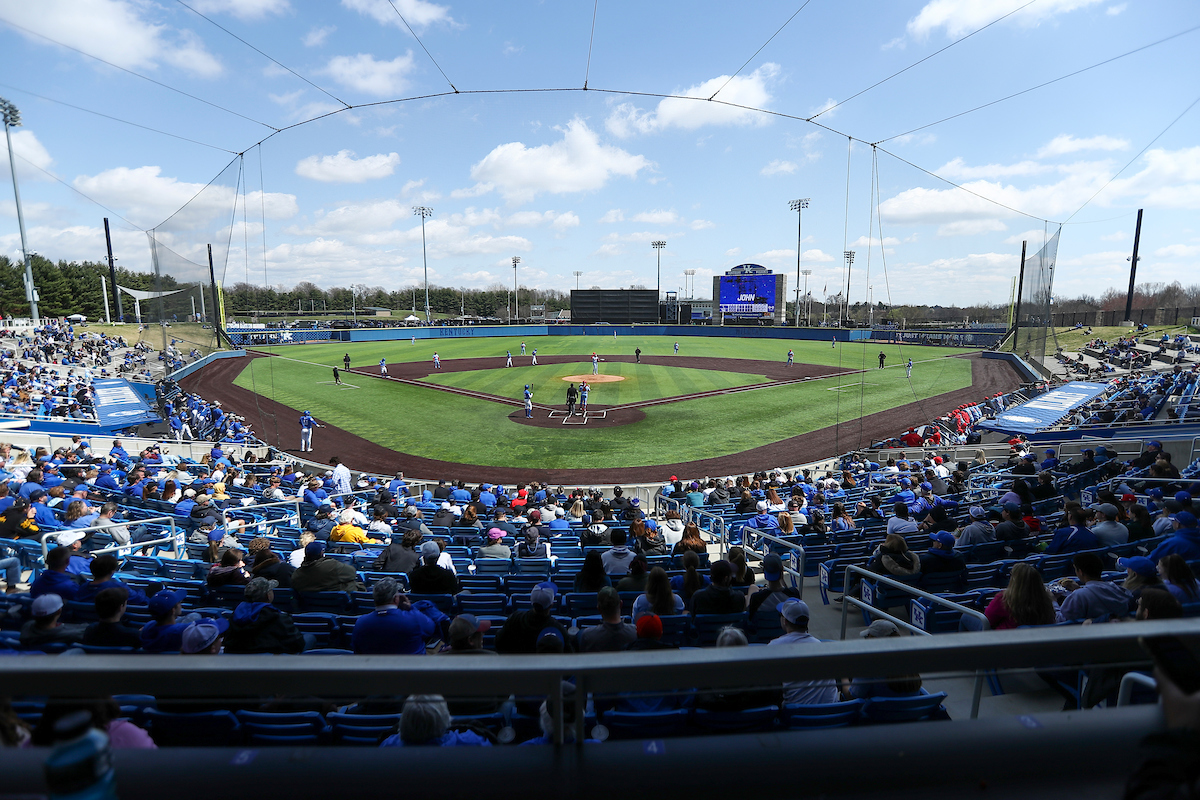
593	378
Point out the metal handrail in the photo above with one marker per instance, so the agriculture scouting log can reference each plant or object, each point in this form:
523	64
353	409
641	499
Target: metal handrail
176	536
847	600
1128	681
797	560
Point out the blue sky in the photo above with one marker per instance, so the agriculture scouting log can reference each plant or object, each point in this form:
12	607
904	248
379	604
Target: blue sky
584	181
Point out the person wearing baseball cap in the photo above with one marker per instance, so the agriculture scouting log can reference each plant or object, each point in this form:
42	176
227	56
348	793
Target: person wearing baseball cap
940	557
1185	538
164	632
793	618
1140	573
203	637
524	628
1073	537
1106	528
257	626
977	531
395	627
320	574
46	628
429	577
763	607
465	636
895	686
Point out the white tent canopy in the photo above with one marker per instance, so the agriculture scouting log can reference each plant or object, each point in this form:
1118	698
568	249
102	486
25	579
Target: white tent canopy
412	318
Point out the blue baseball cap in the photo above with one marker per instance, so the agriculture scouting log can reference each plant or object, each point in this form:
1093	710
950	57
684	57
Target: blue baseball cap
944	538
927	486
1156	493
905	482
1183	497
164	602
1186	519
1049	451
1139	564
1154	443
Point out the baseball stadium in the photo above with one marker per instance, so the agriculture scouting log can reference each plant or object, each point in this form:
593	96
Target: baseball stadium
297	441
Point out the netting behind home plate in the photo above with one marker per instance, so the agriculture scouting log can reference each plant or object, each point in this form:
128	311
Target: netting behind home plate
1036	292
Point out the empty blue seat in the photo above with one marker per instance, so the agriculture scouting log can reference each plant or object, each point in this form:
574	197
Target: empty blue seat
328	602
905	709
205	729
646	724
751	719
483	604
361	729
820	715
289	727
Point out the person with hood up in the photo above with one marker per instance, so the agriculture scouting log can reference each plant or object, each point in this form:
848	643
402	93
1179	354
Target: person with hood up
672	528
257	626
764	520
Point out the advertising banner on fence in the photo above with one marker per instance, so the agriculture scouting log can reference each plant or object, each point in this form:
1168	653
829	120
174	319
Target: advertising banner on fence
119	405
1045	410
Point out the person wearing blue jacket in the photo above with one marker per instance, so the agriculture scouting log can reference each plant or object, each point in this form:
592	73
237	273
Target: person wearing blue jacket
1074	537
394	627
1185	540
103	569
54	579
164	632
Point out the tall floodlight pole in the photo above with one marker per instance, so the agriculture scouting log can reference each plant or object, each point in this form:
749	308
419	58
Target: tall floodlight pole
658	246
806	273
849	254
424	212
798	206
577	275
689	275
516	297
12	118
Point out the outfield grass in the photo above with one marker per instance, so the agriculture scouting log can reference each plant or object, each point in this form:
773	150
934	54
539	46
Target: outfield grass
641	381
849	355
449	427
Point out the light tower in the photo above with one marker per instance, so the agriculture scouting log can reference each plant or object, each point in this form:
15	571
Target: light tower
806	273
798	206
689	274
12	118
577	275
516	298
423	212
658	246
849	254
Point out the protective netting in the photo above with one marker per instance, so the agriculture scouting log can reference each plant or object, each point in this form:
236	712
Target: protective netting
1033	319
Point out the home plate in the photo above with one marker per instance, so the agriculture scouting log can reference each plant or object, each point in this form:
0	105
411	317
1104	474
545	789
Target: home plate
593	378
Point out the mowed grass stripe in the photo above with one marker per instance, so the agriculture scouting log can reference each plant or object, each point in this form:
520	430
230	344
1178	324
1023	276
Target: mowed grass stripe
439	425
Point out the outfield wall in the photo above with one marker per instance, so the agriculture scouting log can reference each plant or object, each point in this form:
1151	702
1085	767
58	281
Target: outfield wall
273	337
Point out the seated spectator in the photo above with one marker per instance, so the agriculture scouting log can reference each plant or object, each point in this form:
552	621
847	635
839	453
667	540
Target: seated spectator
1140	524
591	577
613	633
672	528
429	577
257	626
893	557
940	557
719	597
229	571
321	525
1158	604
1185	538
46	626
401	554
901	523
647	540
109	631
691	581
319	573
465	636
425	722
1091	597
523	629
164	632
617	560
743	576
649	634
54	578
895	686
347	531
1074	537
1025	601
1140	573
691	541
1107	529
794	616
764	520
205	637
495	548
18	522
635	579
1178	578
764	602
658	598
532	545
270	566
103	569
978	531
733	700
395	627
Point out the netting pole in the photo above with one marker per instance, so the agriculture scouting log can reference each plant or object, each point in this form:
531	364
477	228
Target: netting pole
212	277
158	302
1020	287
112	274
1137	238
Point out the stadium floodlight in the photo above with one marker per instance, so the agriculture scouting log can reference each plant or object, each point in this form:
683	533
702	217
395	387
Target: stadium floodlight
806	273
849	256
689	274
516	299
12	118
658	246
423	212
577	275
798	206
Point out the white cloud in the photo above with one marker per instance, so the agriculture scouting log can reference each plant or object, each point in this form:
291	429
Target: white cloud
610	250
749	90
702	224
419	13
961	279
640	237
1036	237
1065	143
971	227
567	219
317	36
365	74
656	217
148	198
778	167
512	49
345	168
872	241
819	256
559	222
1178	251
26	146
242	9
116	31
733	252
959	169
824	109
1170	179
613	215
1115	236
473	191
960	17
1112	11
576	163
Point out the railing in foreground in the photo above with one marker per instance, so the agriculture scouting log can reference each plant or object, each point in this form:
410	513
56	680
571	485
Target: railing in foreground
175	538
793	565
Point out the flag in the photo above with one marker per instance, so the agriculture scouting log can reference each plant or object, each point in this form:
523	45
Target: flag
824	288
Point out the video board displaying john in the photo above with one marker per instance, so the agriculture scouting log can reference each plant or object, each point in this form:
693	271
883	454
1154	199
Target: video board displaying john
747	295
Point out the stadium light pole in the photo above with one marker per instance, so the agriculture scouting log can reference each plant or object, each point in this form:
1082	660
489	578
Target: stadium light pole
12	118
577	275
658	246
806	273
689	274
849	254
423	212
516	298
798	206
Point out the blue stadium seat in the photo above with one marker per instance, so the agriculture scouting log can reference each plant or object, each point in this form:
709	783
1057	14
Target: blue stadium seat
708	626
646	724
747	721
361	729
905	709
820	715
277	728
327	602
205	729
482	604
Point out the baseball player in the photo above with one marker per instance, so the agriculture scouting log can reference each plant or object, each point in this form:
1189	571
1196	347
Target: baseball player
437	362
528	402
307	423
383	366
595	364
535	356
508	361
791	357
908	368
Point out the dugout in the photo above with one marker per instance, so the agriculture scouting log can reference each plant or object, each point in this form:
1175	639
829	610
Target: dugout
614	306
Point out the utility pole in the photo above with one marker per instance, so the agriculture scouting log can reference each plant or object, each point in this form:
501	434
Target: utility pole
798	206
516	297
11	119
1137	238
423	212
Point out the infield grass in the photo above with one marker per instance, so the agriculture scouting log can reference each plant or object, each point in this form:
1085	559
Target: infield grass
439	425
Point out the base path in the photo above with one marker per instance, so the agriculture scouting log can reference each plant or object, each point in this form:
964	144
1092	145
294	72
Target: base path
278	425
